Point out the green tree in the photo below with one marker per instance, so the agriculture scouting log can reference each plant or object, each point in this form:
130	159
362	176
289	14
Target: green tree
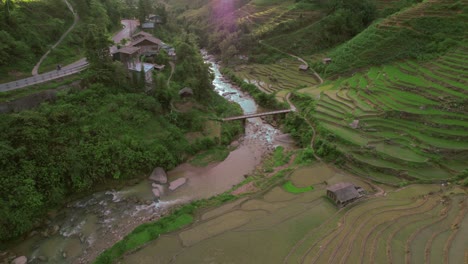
97	53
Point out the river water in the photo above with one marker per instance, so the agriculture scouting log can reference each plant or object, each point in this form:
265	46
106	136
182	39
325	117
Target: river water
84	228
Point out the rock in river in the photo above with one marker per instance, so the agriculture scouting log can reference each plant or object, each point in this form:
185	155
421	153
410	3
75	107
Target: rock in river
156	192
159	175
20	260
177	183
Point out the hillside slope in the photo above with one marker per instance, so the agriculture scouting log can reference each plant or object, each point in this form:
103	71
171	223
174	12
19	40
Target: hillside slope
403	121
422	31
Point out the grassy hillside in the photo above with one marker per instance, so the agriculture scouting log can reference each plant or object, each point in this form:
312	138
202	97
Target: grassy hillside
422	31
412	118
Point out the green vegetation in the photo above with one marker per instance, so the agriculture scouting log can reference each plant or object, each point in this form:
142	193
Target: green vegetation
147	232
151	231
27	29
404	35
215	154
401	131
344	20
110	130
280	158
262	99
290	187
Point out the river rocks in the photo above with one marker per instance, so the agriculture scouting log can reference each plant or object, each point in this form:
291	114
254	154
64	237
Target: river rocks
177	183
20	260
235	144
42	258
54	230
156	193
159	175
45	233
33	233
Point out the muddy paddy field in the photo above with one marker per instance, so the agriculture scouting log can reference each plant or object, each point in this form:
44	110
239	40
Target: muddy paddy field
414	224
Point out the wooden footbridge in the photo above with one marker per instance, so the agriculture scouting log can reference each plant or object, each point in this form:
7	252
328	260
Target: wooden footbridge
256	115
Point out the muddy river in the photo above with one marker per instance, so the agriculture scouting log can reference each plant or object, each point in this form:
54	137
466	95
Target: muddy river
84	228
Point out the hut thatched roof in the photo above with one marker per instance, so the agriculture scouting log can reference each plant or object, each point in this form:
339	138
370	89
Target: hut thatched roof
186	91
344	191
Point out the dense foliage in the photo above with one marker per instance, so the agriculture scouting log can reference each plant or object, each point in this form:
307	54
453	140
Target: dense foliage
344	20
109	130
416	37
27	28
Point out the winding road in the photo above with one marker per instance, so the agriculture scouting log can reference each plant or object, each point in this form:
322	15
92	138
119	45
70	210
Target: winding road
73	68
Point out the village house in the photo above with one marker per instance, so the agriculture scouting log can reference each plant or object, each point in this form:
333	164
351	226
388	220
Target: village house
142	44
129	56
344	193
148	45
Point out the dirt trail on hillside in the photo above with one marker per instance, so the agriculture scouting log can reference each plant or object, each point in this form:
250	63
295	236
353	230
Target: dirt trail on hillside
75	21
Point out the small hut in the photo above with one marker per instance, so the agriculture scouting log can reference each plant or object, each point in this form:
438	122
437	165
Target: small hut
327	60
303	67
159	67
344	193
186	92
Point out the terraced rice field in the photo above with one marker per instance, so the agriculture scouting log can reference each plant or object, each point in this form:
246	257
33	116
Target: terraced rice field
412	119
265	18
282	75
411	225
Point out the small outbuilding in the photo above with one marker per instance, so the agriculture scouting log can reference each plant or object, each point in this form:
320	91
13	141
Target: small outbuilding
147	68
147	25
186	92
327	60
344	193
303	67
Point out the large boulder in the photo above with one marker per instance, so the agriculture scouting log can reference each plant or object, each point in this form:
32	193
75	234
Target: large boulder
177	183
20	260
159	175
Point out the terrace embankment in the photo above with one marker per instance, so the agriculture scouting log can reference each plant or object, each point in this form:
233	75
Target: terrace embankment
400	122
277	226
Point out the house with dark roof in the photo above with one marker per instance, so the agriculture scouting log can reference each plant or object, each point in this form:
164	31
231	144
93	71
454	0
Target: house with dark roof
148	45
140	35
128	55
344	193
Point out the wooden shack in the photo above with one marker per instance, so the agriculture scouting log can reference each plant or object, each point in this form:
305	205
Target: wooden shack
186	92
327	60
344	193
